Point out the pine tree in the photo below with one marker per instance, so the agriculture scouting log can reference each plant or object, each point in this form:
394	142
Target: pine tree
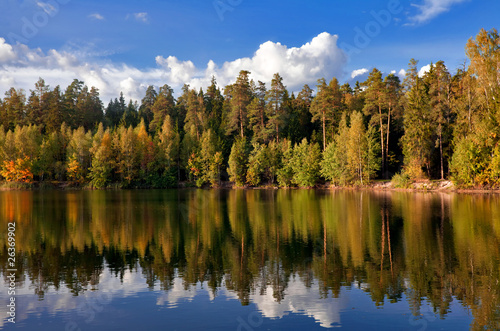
439	81
326	104
257	115
164	105
146	108
13	108
275	109
301	106
240	98
376	101
417	141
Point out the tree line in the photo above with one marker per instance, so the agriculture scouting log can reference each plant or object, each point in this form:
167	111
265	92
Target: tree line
435	126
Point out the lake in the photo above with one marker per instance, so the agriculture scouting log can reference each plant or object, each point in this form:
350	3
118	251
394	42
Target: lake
250	260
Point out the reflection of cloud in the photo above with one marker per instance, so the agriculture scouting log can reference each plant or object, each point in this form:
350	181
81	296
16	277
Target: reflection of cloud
175	294
300	299
62	300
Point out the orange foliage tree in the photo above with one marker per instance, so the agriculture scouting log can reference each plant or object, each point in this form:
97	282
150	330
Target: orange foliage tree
18	170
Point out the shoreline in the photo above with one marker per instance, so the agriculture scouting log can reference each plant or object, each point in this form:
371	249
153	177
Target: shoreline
439	186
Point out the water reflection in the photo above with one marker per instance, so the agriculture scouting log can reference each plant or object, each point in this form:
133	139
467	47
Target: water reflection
284	251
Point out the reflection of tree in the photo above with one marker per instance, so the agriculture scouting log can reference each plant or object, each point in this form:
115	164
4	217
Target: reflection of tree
430	247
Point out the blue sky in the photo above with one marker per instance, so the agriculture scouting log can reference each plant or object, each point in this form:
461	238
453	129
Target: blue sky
126	45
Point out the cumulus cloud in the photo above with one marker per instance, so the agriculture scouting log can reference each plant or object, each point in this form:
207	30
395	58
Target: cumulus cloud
96	16
20	67
430	9
178	71
6	52
358	72
423	70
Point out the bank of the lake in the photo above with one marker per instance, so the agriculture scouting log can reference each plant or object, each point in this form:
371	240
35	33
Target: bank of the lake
377	185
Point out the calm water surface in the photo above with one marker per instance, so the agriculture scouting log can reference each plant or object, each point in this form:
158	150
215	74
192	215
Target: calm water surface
251	260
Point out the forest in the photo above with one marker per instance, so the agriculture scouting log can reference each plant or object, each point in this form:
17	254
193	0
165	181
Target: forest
437	125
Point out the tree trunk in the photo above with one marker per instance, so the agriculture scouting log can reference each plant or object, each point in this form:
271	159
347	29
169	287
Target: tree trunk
382	140
388	130
441	152
241	123
324	133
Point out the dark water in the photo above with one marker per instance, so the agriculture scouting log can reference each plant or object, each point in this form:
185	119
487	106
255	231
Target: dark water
251	260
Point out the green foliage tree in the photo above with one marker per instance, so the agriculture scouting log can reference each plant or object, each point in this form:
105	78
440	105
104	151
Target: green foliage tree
257	115
238	160
285	171
439	82
240	98
13	108
169	150
305	164
376	102
326	104
147	103
256	164
417	140
275	108
163	106
211	159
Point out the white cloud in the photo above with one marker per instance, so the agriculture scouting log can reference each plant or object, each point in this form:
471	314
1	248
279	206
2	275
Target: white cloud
358	72
96	16
179	71
423	70
140	17
47	7
297	65
402	73
430	9
21	66
6	52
